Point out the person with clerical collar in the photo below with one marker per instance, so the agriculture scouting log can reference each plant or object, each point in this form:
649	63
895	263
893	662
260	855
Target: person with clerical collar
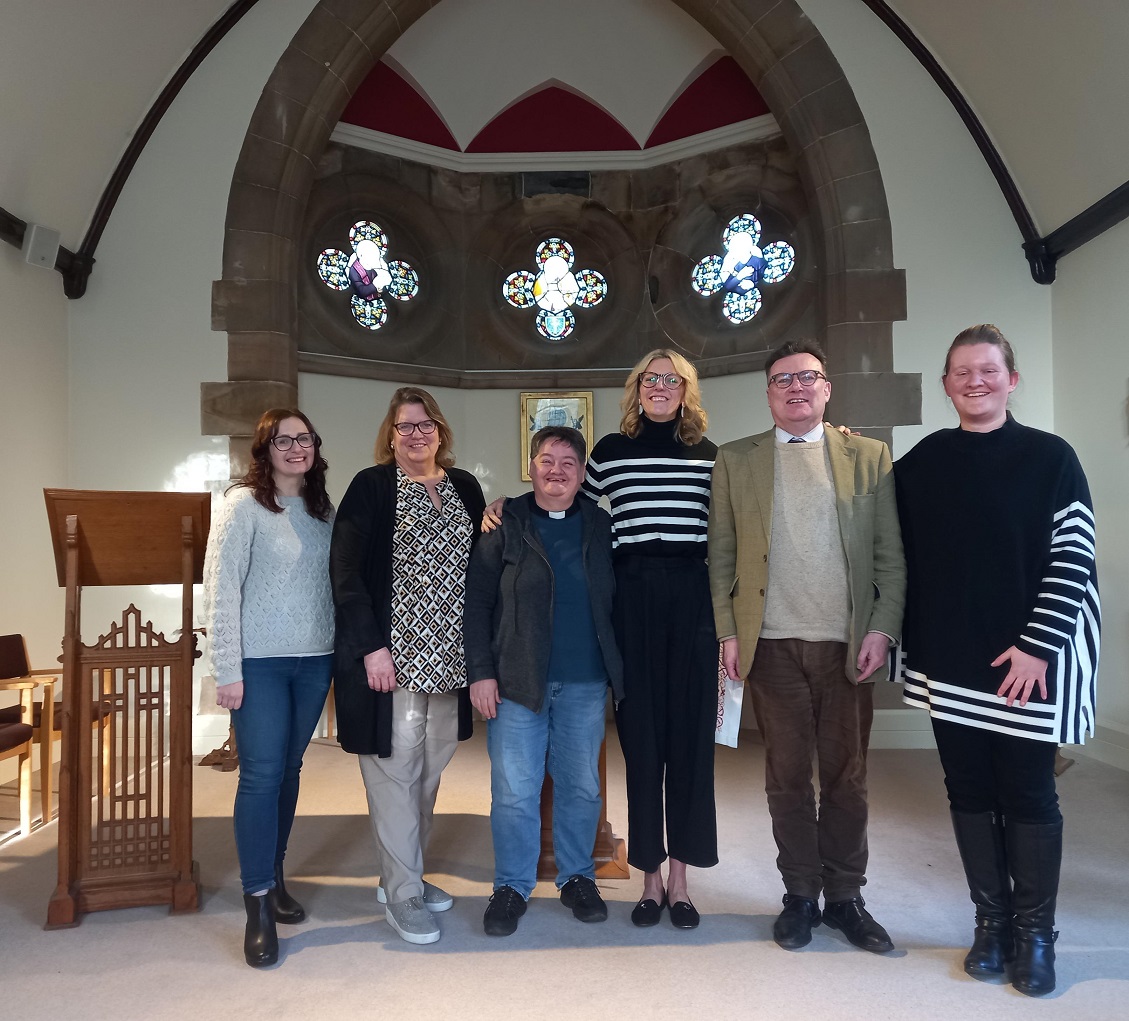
808	582
541	654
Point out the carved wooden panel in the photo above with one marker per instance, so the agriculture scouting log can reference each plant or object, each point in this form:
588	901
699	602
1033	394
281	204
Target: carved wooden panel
128	673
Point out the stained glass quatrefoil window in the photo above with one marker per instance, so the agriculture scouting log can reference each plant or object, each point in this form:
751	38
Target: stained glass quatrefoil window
368	274
743	269
553	287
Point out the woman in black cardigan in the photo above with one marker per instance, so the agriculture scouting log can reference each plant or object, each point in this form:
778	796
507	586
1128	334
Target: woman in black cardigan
401	543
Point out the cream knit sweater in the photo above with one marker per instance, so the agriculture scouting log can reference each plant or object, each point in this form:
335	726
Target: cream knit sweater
266	584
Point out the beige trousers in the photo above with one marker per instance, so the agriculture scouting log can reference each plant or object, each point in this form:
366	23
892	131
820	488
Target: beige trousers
401	789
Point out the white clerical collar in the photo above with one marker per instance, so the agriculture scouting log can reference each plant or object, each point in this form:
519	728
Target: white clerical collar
815	436
557	514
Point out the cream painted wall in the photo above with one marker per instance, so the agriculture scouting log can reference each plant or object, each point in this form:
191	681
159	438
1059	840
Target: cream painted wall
1048	80
1091	309
140	342
961	251
77	80
952	231
33	395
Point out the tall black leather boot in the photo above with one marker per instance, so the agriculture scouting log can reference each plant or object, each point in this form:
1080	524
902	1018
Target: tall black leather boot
980	840
1034	856
260	940
287	911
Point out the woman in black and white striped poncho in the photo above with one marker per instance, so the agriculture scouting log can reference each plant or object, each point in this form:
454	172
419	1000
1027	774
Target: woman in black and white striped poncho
1001	641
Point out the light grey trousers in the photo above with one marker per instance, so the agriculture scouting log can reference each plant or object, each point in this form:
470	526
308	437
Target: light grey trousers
402	788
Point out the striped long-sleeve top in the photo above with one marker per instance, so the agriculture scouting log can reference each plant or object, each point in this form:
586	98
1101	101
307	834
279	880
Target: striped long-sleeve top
658	489
998	530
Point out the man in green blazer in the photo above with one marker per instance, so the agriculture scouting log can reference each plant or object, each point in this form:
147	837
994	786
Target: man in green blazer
808	583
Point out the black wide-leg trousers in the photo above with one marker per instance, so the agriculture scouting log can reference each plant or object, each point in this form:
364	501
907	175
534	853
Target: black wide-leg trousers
668	716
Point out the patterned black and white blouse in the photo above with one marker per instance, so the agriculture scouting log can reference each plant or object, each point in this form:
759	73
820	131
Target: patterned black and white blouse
430	552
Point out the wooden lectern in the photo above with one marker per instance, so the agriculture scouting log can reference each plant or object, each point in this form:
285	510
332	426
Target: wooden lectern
131	843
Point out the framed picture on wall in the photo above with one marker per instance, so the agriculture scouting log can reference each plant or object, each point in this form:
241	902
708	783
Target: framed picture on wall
562	407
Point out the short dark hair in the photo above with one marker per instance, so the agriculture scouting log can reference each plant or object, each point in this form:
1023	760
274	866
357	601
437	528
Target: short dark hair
565	434
985	333
804	346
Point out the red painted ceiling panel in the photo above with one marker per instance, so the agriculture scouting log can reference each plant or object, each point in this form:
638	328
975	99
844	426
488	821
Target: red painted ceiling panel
386	101
553	120
722	94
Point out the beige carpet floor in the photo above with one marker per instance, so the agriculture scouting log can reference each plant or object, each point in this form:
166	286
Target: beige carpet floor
346	962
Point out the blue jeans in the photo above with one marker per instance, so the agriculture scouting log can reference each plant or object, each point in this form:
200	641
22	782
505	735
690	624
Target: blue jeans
283	698
567	733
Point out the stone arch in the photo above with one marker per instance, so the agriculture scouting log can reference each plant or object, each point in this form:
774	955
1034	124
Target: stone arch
776	44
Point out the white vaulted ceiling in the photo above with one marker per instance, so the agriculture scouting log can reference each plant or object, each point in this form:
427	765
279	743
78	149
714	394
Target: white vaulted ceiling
1047	79
1050	82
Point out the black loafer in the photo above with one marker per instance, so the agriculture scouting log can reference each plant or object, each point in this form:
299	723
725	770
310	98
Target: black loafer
647	913
852	919
683	915
793	926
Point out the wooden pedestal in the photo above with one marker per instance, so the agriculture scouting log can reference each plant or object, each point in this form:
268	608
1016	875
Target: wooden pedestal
610	852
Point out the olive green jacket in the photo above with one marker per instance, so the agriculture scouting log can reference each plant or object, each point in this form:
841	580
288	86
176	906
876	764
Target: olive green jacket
740	529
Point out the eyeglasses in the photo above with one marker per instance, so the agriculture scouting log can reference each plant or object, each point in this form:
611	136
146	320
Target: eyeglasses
650	380
283	442
426	427
806	378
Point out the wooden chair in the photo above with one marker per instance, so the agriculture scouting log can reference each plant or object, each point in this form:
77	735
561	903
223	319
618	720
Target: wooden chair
16	739
45	718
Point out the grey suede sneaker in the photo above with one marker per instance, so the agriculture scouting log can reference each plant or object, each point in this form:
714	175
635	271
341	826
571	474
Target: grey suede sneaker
434	899
413	921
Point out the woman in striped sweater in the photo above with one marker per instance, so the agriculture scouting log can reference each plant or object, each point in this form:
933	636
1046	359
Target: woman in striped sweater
1001	640
655	473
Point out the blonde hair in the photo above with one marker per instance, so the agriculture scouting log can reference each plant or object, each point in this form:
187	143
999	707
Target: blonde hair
692	422
444	456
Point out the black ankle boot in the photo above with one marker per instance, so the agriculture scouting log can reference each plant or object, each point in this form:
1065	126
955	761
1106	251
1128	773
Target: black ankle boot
287	911
980	840
1034	855
260	940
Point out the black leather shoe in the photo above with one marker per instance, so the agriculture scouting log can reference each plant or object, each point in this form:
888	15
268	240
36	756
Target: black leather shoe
647	913
287	911
852	919
505	908
580	894
683	915
793	926
260	940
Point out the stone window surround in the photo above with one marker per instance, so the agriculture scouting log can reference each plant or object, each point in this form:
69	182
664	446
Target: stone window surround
339	43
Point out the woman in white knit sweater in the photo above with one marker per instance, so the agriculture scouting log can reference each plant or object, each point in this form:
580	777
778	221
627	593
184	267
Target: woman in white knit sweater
269	614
